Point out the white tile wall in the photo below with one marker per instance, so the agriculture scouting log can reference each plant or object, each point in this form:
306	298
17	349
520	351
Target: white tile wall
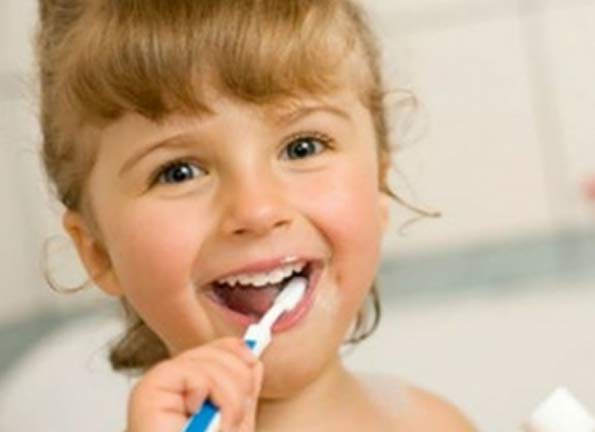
506	91
16	21
569	34
28	217
19	223
480	162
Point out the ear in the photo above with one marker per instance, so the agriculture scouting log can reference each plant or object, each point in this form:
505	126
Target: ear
91	252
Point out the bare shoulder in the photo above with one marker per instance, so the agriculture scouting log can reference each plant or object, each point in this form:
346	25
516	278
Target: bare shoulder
412	408
416	409
431	412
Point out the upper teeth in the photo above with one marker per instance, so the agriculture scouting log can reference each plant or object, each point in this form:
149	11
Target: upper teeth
264	278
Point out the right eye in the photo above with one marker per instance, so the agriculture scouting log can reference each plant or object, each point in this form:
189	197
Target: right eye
177	172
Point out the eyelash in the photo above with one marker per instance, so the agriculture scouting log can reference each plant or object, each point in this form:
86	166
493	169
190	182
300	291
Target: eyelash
163	169
323	139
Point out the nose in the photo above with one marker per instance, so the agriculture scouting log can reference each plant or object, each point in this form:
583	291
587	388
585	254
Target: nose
254	205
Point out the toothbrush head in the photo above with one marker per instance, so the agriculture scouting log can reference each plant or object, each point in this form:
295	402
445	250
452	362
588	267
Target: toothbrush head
291	295
287	299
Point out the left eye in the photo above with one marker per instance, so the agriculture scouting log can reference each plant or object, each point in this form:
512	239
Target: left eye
303	147
178	172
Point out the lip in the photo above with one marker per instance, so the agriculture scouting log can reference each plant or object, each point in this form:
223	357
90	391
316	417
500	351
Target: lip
289	319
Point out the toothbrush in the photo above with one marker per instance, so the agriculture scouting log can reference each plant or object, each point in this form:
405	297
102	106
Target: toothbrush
257	337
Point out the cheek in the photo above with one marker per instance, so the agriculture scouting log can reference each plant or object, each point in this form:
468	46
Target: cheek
346	207
346	211
152	247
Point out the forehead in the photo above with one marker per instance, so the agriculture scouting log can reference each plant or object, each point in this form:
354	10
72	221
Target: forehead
292	109
344	105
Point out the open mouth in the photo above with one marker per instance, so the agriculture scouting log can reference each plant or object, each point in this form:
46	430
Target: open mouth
252	295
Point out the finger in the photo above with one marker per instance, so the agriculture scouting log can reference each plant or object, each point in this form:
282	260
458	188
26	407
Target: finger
222	376
240	372
159	396
195	399
186	380
238	347
221	369
227	385
227	393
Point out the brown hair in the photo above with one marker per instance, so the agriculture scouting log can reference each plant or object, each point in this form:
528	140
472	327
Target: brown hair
101	58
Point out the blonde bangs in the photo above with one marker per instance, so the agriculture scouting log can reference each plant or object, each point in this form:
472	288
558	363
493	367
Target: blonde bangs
158	56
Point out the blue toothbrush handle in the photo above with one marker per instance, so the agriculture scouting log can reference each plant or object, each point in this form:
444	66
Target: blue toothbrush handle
208	418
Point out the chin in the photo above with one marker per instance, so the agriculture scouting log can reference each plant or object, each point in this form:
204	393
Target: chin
288	370
289	382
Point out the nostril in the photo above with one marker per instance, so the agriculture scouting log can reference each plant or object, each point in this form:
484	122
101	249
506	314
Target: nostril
281	223
252	206
258	226
240	231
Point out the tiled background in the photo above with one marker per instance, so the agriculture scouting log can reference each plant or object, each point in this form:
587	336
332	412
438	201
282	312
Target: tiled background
492	305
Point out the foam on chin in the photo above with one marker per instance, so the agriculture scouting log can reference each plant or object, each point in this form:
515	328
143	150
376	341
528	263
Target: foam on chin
327	301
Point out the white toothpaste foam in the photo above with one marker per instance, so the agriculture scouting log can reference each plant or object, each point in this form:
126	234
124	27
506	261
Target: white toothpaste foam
327	301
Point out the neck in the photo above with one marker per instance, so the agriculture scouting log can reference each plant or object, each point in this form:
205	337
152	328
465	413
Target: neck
318	400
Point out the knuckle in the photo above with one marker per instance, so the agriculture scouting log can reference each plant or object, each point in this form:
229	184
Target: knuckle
140	396
233	343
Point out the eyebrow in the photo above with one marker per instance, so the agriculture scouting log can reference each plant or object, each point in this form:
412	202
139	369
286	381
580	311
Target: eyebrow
176	141
294	114
183	139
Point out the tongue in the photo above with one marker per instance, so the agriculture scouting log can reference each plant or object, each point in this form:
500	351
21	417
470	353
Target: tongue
250	300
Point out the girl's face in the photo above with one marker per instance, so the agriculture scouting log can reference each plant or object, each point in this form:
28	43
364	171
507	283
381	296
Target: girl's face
242	190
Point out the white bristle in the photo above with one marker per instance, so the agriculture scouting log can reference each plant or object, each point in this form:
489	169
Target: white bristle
288	299
291	295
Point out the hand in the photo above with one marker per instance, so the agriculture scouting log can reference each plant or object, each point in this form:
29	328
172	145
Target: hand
225	371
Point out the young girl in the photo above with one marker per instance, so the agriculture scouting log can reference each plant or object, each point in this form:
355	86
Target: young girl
206	151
